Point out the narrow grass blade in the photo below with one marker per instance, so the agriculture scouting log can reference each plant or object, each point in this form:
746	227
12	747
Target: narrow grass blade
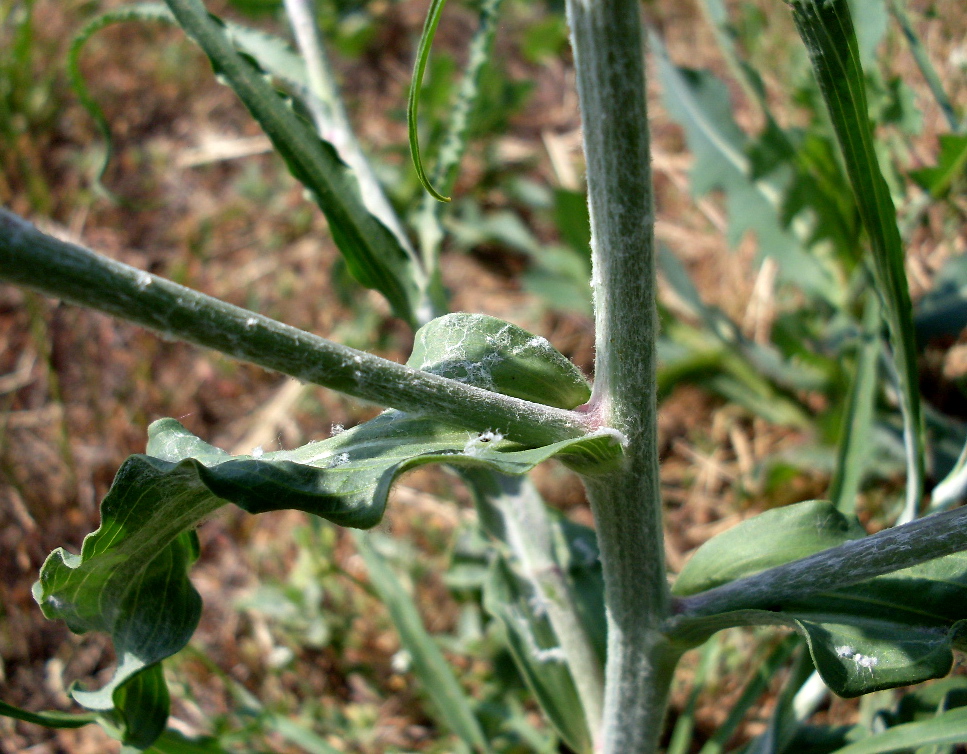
300	736
827	31
376	257
682	734
413	102
52	719
455	140
922	58
947	728
855	441
435	674
755	688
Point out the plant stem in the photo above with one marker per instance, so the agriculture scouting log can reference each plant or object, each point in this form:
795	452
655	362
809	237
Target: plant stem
454	143
839	567
34	260
333	125
512	511
607	39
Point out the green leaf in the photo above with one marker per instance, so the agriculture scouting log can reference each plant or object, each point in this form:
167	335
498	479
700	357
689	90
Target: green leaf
947	728
52	719
855	441
377	256
130	579
700	102
136	700
496	355
761	542
429	665
892	630
347	478
512	600
413	102
273	55
951	165
826	28
140	551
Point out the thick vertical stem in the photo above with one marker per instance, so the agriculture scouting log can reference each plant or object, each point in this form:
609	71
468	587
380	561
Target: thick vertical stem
607	40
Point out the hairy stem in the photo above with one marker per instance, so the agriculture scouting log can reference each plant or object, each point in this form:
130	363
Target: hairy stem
608	50
838	567
512	511
35	260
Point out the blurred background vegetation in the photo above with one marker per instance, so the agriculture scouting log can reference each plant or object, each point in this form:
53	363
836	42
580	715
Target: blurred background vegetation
760	313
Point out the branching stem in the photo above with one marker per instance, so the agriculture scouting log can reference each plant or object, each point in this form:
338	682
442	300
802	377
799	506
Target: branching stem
607	39
35	260
838	567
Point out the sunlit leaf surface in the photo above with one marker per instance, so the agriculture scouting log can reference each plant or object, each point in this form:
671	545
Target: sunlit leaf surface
893	630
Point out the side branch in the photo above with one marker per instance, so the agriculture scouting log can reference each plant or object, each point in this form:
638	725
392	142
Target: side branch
836	568
63	270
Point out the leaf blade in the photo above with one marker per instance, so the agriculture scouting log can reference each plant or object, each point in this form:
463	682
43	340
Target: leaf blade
429	664
895	629
377	257
826	29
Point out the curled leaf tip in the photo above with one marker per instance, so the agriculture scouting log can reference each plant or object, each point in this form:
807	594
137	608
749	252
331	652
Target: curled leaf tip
413	104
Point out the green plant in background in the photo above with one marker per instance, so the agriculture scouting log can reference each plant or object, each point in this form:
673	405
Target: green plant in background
589	618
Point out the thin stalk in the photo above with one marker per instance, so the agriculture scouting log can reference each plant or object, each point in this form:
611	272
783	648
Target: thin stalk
511	510
953	488
34	260
929	73
758	684
333	125
839	567
606	36
454	143
716	16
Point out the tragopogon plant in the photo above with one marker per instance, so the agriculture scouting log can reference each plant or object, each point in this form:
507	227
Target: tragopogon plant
875	612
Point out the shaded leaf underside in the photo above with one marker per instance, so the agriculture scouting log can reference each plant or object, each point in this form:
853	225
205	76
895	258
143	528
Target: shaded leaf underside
890	631
131	578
